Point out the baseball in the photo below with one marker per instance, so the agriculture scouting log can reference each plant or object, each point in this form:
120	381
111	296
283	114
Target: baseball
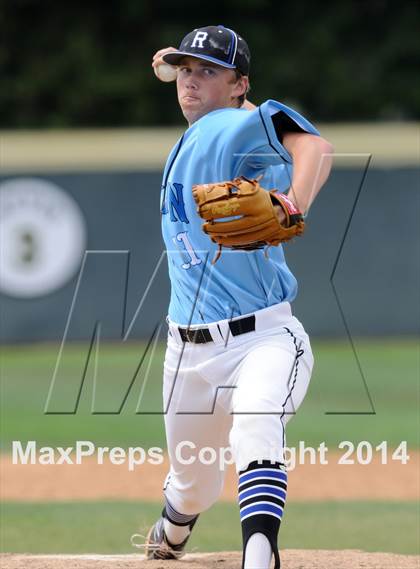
165	72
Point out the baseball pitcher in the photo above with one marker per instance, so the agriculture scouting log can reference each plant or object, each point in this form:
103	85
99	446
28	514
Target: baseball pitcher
236	185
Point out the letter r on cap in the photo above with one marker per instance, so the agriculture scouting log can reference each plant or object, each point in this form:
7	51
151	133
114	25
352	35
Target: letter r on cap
199	38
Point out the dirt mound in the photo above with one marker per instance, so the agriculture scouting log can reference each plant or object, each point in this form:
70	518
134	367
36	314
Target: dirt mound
291	559
93	481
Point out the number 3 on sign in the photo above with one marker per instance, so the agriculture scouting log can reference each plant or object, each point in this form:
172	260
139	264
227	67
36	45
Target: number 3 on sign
194	260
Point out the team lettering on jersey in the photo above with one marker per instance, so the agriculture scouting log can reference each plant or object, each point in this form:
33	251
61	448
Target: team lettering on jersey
173	203
176	205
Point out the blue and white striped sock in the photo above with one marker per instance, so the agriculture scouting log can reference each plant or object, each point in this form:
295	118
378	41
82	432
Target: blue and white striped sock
262	495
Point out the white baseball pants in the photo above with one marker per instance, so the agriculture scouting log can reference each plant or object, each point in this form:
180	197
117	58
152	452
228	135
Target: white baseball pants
237	391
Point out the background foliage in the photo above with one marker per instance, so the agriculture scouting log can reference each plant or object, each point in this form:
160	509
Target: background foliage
88	63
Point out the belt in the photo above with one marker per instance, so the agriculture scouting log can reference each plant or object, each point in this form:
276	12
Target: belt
203	335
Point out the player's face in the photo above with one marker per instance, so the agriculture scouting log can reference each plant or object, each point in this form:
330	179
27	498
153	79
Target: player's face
204	87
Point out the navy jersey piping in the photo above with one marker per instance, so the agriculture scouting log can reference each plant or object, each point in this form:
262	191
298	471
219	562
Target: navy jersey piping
165	181
267	134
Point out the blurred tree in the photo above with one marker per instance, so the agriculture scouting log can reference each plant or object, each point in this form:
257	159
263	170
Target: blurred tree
88	63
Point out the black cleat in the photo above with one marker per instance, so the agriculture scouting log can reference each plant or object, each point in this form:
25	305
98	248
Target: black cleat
157	545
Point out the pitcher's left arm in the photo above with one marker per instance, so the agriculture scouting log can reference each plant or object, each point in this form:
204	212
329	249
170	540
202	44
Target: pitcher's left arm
312	160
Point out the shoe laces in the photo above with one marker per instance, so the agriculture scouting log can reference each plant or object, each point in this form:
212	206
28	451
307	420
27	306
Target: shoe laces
160	548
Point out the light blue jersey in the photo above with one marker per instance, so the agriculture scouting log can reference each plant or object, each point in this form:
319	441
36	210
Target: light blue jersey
222	145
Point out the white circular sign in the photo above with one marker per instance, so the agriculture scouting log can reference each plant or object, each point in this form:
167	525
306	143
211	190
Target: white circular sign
42	237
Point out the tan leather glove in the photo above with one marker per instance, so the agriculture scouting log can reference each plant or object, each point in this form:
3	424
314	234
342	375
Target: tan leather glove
240	214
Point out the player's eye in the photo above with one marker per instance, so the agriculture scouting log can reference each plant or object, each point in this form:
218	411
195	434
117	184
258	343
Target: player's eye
208	71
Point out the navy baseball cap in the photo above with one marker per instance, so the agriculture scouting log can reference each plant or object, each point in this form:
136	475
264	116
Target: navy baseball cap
217	44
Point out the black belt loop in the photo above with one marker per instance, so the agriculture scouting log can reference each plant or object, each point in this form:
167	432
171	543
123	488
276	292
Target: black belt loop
199	336
203	335
242	325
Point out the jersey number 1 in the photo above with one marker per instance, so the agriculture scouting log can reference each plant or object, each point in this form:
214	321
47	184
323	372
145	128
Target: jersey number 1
194	260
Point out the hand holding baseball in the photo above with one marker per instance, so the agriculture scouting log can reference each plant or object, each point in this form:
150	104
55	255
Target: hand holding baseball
162	70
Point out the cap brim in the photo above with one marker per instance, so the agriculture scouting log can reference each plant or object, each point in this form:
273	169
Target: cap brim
174	58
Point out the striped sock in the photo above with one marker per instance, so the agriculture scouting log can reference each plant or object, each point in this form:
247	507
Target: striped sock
175	517
177	526
262	495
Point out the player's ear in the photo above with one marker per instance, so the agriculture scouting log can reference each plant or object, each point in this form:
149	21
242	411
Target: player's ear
241	86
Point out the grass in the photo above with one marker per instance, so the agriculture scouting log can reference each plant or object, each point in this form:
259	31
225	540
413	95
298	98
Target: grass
389	367
106	527
391	371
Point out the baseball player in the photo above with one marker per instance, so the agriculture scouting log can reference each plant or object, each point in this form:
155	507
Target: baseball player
238	363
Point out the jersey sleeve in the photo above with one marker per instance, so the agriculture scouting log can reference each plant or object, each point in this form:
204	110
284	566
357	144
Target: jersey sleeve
259	135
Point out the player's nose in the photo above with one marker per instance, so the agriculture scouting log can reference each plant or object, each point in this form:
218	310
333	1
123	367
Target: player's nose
191	84
192	81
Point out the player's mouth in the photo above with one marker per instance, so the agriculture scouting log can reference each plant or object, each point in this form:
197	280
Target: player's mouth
190	99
